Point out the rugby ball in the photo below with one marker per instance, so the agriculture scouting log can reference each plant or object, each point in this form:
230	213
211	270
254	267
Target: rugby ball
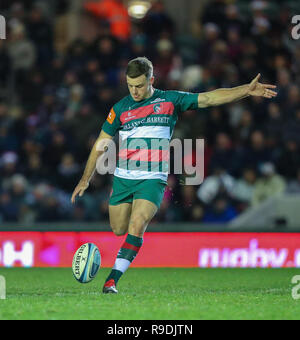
86	263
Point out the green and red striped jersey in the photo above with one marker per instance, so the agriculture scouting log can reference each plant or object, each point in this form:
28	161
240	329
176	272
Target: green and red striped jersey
145	130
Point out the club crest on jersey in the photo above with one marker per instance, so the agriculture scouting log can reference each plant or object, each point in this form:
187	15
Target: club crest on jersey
157	108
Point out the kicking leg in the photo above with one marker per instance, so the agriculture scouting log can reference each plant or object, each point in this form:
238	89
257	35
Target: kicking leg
142	213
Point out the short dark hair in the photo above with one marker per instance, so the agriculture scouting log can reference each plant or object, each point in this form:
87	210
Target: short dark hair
138	67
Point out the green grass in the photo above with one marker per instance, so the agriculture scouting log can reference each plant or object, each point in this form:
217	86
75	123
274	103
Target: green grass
155	294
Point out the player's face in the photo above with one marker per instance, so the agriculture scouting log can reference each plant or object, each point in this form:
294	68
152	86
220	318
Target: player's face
140	88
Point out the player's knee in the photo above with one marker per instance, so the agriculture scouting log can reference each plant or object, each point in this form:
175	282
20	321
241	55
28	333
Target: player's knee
119	230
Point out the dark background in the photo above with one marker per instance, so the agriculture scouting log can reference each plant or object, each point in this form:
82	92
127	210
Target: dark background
62	69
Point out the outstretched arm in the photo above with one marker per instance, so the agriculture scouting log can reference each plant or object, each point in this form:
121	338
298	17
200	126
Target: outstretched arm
224	96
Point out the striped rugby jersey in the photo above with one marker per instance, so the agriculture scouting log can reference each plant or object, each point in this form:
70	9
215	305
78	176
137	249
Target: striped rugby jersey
145	130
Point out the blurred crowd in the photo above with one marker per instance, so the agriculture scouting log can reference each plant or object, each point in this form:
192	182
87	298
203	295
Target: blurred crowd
55	97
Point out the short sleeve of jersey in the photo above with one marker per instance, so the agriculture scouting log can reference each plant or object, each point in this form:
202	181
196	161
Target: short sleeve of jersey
185	100
112	124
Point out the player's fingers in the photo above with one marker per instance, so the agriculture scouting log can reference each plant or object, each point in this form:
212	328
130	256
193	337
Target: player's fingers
74	196
269	94
269	86
75	193
255	80
272	93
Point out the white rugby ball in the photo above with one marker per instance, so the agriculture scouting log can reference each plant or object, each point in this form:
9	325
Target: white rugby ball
86	263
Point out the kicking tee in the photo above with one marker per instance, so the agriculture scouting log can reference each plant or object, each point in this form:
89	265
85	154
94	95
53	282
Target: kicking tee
145	129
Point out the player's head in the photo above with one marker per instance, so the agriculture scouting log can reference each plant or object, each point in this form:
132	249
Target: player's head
139	75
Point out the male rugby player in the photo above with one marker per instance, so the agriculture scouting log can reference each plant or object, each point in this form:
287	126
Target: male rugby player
148	114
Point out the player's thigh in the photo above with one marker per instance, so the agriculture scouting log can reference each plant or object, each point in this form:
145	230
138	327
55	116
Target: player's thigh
142	213
119	216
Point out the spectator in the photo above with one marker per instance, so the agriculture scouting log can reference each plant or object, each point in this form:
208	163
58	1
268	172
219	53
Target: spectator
221	212
223	155
77	55
82	126
244	128
34	169
32	91
217	124
234	44
22	53
75	101
68	172
216	184
55	96
293	186
293	100
5	66
291	130
233	20
211	36
9	167
258	151
115	13
243	189
40	33
8	208
138	44
49	210
107	52
269	185
288	162
214	12
18	189
55	150
157	23
8	140
166	60
275	121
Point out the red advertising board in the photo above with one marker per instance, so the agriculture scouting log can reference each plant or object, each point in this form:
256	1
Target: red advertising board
180	249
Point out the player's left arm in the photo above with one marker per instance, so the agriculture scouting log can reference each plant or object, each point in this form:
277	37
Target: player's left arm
224	96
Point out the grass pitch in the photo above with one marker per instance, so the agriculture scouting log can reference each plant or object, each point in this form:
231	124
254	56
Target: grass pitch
152	293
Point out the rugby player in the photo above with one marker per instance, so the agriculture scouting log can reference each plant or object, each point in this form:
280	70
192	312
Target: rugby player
149	114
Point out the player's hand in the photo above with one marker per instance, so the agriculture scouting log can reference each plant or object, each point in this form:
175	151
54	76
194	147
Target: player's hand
80	189
261	90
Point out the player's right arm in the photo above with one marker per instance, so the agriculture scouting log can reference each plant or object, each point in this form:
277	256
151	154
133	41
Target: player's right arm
109	129
98	149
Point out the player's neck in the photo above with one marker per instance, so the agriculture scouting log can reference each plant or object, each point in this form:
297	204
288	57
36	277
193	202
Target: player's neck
150	93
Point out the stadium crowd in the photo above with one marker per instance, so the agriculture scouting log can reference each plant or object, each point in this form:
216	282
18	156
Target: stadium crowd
54	100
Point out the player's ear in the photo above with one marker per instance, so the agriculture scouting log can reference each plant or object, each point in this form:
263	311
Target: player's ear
152	80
